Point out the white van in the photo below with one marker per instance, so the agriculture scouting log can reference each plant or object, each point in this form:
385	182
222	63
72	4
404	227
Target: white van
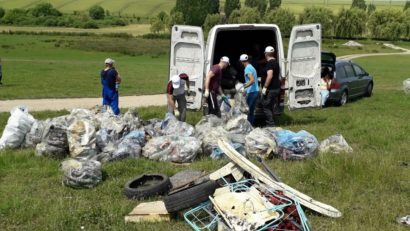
190	55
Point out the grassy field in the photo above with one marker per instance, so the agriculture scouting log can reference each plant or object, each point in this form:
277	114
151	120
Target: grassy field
370	186
147	8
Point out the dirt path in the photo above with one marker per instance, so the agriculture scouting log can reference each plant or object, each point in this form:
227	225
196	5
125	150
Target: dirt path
131	101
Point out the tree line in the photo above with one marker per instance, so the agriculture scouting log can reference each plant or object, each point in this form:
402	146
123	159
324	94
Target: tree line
361	20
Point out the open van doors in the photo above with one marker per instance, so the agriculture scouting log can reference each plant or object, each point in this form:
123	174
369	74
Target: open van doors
187	56
304	69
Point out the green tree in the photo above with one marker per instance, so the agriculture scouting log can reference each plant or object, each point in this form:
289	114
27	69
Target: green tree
16	17
245	15
194	12
284	18
361	4
176	18
231	5
350	23
44	9
96	12
213	7
407	23
406	6
388	24
261	5
320	15
273	4
210	21
159	23
2	12
371	8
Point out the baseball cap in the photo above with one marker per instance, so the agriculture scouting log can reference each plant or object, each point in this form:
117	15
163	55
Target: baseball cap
225	59
269	49
244	57
109	61
176	81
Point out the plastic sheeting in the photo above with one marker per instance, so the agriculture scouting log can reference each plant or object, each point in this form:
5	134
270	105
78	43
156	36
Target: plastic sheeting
129	146
18	125
261	142
296	146
54	142
217	153
81	173
176	149
172	126
335	144
406	86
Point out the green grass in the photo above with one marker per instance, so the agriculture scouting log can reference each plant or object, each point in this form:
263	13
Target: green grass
370	186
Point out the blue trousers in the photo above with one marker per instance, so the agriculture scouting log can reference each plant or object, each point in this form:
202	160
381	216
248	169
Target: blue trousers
251	101
110	98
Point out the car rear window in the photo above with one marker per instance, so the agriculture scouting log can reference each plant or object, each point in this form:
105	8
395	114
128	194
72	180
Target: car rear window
349	70
358	70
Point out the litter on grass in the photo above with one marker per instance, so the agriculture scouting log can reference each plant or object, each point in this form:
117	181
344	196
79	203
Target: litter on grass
18	125
335	144
81	173
406	86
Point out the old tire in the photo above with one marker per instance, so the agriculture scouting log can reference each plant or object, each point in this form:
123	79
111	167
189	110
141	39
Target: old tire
147	185
190	197
369	90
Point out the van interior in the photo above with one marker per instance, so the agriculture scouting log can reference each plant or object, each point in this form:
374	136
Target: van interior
233	42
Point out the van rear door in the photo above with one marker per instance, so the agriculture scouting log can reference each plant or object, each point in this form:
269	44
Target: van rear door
304	58
187	56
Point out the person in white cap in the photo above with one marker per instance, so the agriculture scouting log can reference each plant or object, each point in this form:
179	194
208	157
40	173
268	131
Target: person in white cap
176	94
213	86
271	86
110	80
251	87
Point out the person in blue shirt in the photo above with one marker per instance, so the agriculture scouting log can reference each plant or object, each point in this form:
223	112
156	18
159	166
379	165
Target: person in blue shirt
110	80
251	87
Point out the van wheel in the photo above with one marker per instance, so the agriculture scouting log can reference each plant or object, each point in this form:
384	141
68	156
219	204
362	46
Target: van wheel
369	90
343	99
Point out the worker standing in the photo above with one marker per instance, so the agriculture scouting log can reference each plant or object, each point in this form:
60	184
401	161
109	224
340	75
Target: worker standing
251	87
176	95
110	80
213	86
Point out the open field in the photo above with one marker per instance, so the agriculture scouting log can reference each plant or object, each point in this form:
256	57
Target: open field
370	186
147	8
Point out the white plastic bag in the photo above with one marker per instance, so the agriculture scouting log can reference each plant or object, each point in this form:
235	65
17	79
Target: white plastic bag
18	125
406	86
81	138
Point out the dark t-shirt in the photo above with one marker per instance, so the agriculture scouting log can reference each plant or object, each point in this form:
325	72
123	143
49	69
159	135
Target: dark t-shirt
109	77
274	66
215	81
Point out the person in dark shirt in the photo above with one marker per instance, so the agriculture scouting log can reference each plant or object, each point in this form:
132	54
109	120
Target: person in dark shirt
176	94
271	86
213	86
110	80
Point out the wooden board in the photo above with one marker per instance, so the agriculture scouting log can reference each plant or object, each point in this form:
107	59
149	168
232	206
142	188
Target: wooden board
148	212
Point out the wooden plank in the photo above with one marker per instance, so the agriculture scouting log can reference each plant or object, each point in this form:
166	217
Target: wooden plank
148	212
257	173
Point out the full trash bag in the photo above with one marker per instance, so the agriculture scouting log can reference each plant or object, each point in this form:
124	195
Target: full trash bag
129	146
296	146
35	135
81	138
54	142
240	106
335	144
171	126
178	149
18	125
217	152
239	125
209	129
132	119
260	142
406	86
152	127
81	173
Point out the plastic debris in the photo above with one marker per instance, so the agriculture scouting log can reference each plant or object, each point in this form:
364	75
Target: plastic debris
406	86
176	149
81	173
404	220
54	143
129	146
81	138
172	126
335	144
296	146
240	107
35	135
217	153
18	125
152	127
239	125
260	142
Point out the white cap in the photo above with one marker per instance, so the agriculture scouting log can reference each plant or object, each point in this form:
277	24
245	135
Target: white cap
269	49
244	57
225	59
176	81
109	61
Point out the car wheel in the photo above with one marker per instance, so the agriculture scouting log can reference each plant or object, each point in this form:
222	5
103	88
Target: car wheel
147	185
343	99
369	90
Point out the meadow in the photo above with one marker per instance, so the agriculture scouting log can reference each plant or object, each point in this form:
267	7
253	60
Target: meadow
369	186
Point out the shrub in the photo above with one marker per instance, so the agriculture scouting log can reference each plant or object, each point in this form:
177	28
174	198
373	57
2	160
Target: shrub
15	16
231	5
210	21
320	15
261	5
245	15
388	24
371	8
406	6
284	18
273	4
2	12
195	12
96	12
350	23
90	25
44	9
361	4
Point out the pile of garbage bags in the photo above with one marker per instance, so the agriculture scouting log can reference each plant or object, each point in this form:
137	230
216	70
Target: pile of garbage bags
18	125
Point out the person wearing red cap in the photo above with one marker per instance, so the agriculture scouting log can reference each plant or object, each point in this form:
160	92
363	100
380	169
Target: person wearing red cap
176	95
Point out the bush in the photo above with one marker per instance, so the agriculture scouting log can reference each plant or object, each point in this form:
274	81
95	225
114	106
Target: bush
45	9
96	12
160	22
261	5
15	16
231	5
210	21
388	24
90	25
284	18
320	15
406	6
245	15
371	8
273	4
175	18
361	4
350	23
194	12
2	12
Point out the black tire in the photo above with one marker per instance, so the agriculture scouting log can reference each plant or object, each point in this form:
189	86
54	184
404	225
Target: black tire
343	99
190	197
369	90
147	185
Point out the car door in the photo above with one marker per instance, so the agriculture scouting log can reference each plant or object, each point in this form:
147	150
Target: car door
362	79
351	79
304	59
187	56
